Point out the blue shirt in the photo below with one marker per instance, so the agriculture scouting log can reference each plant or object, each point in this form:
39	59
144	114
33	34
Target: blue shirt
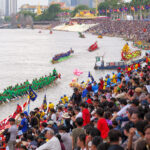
24	123
84	93
108	81
119	77
95	88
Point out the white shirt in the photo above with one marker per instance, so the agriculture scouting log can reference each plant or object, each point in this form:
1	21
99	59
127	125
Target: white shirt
79	115
53	117
52	144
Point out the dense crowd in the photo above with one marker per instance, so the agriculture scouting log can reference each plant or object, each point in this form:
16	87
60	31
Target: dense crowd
131	30
20	90
111	114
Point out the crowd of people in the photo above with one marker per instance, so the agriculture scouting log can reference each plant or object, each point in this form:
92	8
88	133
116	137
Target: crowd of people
20	90
111	114
132	30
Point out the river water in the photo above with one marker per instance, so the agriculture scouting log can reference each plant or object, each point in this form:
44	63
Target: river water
26	54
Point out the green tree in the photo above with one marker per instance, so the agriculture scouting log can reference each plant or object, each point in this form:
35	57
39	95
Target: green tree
27	13
7	18
50	13
78	8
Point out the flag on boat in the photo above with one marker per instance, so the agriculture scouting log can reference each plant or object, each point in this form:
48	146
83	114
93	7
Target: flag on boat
32	94
44	104
90	76
18	110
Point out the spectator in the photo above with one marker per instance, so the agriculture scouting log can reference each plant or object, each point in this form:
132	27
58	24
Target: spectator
81	141
114	137
24	123
13	134
85	114
65	137
76	132
52	144
102	123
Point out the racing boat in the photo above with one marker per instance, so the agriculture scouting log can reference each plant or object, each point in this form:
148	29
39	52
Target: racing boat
93	47
81	35
127	55
51	32
100	36
62	56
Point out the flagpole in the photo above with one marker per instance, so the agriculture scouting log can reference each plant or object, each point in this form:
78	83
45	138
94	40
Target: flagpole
29	105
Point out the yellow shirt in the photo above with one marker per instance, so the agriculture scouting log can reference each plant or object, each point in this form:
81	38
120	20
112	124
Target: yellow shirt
136	66
114	78
63	101
129	69
51	106
66	99
42	114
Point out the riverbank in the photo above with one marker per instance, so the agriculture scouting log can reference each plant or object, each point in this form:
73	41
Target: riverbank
74	27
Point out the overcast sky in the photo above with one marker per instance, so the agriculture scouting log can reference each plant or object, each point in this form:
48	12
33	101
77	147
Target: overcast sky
32	2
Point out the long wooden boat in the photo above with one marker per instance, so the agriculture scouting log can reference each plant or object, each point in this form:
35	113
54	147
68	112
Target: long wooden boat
62	57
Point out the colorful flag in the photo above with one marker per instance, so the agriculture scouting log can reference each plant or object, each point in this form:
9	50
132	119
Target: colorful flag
121	9
32	94
142	8
44	104
132	8
90	76
18	110
114	10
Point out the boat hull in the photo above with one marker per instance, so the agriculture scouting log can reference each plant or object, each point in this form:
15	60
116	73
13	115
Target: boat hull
61	59
91	50
121	66
108	67
100	37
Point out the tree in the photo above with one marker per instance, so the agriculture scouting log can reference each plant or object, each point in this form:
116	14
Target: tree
21	20
13	20
78	8
27	13
29	20
7	18
50	13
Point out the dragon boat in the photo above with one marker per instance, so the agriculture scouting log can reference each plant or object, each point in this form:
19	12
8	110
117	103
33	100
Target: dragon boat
127	55
93	47
62	56
100	36
81	35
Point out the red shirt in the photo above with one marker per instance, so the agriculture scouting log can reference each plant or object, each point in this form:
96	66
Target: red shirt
101	85
89	101
89	88
103	127
86	116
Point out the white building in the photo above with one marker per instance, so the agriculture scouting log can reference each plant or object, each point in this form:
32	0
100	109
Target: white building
2	8
10	7
32	8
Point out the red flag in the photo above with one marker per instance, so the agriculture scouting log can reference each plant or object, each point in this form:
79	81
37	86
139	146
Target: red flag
142	7
18	110
25	104
144	30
